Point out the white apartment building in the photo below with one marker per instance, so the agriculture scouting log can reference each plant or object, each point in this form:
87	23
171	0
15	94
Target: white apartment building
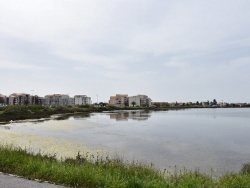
57	100
139	100
120	100
82	100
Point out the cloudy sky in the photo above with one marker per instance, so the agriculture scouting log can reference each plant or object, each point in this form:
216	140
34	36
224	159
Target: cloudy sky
171	50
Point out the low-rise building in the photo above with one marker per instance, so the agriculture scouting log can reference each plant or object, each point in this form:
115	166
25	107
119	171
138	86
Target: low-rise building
71	101
82	100
36	100
57	100
3	100
20	99
119	100
41	101
139	100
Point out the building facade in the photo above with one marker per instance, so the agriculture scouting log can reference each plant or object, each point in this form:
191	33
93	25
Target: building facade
139	100
36	100
120	100
3	100
82	100
20	99
57	100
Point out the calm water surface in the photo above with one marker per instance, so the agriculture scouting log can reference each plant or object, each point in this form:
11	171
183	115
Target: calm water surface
217	139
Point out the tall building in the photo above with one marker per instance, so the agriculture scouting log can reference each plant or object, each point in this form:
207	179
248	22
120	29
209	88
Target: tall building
120	100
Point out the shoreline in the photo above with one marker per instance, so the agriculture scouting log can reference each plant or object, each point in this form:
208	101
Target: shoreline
23	113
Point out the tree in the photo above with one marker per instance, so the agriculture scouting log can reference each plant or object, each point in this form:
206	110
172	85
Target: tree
26	102
133	103
214	102
103	104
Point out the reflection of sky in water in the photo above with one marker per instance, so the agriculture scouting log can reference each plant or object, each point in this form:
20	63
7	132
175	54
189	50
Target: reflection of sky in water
204	138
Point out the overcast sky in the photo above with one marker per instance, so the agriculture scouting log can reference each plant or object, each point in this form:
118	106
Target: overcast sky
170	50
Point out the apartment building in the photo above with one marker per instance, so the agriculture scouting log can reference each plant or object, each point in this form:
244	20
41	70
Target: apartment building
120	100
71	101
36	100
20	99
139	100
82	100
3	100
57	100
40	101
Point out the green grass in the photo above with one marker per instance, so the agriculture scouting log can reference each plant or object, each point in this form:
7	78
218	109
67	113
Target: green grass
78	172
83	172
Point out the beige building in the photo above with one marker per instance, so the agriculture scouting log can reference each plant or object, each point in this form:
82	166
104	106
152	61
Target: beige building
120	100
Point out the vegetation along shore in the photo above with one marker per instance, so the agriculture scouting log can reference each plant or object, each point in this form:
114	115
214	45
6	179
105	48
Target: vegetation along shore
22	112
95	171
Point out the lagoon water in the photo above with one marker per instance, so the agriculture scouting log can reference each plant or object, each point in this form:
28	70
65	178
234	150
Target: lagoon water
215	140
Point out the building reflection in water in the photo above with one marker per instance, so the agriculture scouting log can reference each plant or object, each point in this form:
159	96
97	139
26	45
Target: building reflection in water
134	115
5	127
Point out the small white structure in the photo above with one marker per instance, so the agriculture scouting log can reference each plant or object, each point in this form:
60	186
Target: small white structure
82	100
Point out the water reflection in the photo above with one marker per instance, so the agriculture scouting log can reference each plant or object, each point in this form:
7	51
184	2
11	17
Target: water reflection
38	121
75	116
5	127
134	115
81	116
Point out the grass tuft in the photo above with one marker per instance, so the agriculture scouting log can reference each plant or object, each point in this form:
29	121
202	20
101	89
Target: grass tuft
245	168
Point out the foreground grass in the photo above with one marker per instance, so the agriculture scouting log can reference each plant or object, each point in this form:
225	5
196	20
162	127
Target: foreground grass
80	172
